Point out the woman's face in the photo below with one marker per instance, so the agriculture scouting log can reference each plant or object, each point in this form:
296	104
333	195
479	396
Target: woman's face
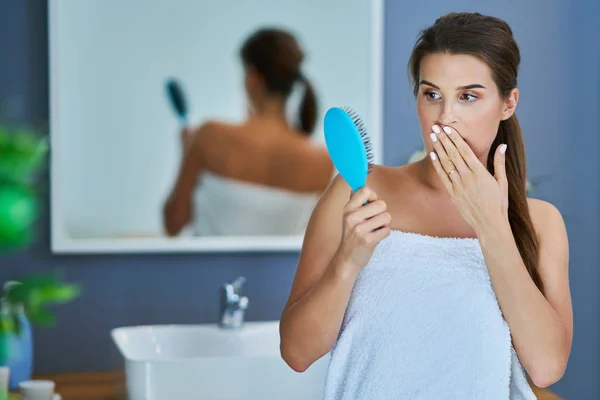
458	91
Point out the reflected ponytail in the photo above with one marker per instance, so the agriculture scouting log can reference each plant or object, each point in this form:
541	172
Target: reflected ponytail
308	108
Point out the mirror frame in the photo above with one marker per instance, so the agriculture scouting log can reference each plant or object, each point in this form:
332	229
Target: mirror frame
61	243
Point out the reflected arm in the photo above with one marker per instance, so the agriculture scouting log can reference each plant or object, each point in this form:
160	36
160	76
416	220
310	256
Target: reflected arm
178	208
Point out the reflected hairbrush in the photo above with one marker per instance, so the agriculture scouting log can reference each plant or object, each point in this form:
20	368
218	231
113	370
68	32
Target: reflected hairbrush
178	100
349	145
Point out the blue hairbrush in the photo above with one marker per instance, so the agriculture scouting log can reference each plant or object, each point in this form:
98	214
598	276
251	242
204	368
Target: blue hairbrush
177	99
349	145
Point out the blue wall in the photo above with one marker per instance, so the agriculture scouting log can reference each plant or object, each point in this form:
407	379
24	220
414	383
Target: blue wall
558	112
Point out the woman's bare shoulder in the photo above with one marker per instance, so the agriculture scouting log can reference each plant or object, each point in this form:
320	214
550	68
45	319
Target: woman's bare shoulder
545	216
216	128
217	136
386	179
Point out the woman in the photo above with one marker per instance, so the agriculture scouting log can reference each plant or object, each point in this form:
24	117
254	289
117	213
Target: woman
449	280
262	176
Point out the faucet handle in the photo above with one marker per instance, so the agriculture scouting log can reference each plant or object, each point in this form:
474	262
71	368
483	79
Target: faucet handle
234	287
238	284
232	291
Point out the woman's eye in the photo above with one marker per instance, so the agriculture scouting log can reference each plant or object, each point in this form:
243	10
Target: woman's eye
468	97
432	95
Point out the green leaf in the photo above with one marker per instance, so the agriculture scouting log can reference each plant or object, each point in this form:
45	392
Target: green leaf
18	211
39	316
7	324
18	241
22	153
33	293
58	294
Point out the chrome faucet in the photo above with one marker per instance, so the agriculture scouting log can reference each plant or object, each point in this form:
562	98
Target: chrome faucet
233	304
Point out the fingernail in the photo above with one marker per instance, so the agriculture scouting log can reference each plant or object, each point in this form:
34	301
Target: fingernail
447	130
433	137
433	156
436	129
503	149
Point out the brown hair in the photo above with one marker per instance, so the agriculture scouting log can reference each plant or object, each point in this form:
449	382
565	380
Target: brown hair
276	55
491	40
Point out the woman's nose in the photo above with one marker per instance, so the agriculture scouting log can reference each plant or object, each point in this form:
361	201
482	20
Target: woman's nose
446	116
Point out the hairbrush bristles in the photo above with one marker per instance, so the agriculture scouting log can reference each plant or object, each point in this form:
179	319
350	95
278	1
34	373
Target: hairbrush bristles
364	134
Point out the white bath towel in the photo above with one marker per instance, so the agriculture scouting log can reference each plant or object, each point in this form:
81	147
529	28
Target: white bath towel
225	206
423	322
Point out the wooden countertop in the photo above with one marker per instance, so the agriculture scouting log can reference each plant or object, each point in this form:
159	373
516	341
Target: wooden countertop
111	386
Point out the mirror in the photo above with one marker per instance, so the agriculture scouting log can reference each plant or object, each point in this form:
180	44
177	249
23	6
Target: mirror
116	71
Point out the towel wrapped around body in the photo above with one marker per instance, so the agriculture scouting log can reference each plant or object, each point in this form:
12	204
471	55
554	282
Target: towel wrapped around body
423	322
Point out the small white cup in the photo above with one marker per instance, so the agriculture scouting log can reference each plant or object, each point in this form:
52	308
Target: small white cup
4	379
37	390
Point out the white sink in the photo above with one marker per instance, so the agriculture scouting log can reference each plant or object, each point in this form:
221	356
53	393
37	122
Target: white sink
193	362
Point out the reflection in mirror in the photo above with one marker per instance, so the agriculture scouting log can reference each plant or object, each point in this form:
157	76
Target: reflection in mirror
199	123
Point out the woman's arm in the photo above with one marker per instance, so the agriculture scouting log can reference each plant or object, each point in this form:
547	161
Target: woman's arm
541	326
340	238
312	317
178	208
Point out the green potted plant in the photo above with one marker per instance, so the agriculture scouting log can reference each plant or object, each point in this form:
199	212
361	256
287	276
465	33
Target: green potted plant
23	301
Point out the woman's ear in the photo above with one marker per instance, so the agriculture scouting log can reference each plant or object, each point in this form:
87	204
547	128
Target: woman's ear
253	79
510	104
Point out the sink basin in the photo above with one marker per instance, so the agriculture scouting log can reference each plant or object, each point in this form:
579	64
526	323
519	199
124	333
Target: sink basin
190	362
